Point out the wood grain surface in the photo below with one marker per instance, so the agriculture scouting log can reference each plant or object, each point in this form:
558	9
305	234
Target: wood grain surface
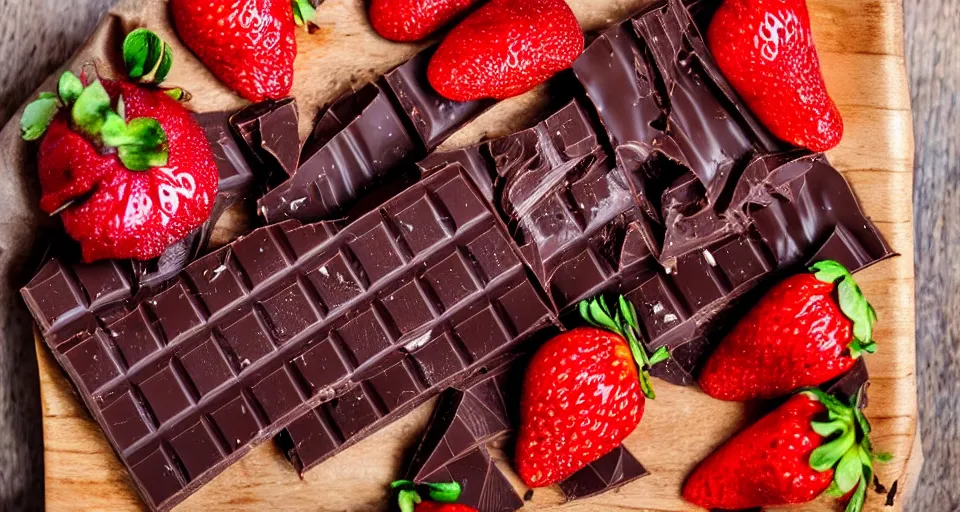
933	85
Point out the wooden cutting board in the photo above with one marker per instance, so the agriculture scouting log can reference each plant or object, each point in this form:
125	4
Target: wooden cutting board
861	45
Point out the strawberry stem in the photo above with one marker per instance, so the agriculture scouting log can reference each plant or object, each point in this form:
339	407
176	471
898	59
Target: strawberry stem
624	323
408	496
848	450
853	304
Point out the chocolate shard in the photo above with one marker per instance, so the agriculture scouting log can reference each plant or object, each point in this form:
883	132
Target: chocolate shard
350	323
484	486
851	385
612	471
466	418
362	138
433	117
357	140
668	112
271	134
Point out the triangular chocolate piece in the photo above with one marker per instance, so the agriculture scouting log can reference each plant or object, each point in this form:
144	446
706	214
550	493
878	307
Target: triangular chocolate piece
484	486
611	471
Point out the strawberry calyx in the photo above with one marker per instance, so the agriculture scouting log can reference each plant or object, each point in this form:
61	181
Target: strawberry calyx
147	57
408	493
140	144
303	13
853	304
848	450
624	323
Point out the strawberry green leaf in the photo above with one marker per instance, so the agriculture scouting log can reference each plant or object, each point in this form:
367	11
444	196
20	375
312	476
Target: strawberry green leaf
829	271
408	500
827	429
883	457
447	492
661	355
303	12
828	455
146	56
69	88
858	498
849	471
177	94
833	491
401	484
138	158
38	115
91	108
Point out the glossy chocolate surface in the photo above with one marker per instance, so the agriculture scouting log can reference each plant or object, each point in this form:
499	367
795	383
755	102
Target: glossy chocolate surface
612	471
426	288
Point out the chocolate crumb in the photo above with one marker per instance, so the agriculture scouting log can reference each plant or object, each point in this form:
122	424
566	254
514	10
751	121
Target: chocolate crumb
527	496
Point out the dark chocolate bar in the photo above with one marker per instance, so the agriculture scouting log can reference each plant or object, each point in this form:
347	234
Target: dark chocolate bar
612	471
363	137
466	418
270	131
668	112
248	338
484	486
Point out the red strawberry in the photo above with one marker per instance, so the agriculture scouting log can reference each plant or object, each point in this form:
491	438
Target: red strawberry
433	506
250	45
582	395
413	20
443	497
506	48
811	444
806	331
127	183
765	48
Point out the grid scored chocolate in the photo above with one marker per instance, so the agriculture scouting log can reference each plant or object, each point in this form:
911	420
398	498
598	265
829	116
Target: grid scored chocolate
290	316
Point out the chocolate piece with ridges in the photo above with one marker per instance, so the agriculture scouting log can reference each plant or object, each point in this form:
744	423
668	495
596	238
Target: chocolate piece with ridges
361	137
290	317
668	111
469	417
612	471
484	486
433	117
270	130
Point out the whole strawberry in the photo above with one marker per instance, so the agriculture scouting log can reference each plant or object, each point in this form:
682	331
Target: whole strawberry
807	330
442	497
583	394
413	20
250	45
810	445
126	167
765	49
506	48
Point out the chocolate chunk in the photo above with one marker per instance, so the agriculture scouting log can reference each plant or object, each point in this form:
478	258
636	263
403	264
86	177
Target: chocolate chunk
364	137
270	131
466	418
358	320
668	111
610	472
851	385
434	118
358	139
484	487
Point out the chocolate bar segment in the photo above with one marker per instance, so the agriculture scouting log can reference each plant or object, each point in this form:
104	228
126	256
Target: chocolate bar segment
484	486
851	385
612	471
361	139
669	114
358	139
466	418
434	118
289	317
270	131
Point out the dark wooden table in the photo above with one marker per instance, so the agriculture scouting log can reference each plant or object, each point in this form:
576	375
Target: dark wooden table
36	37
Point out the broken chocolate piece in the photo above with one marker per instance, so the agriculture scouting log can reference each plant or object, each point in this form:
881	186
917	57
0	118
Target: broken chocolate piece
270	131
612	471
484	487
